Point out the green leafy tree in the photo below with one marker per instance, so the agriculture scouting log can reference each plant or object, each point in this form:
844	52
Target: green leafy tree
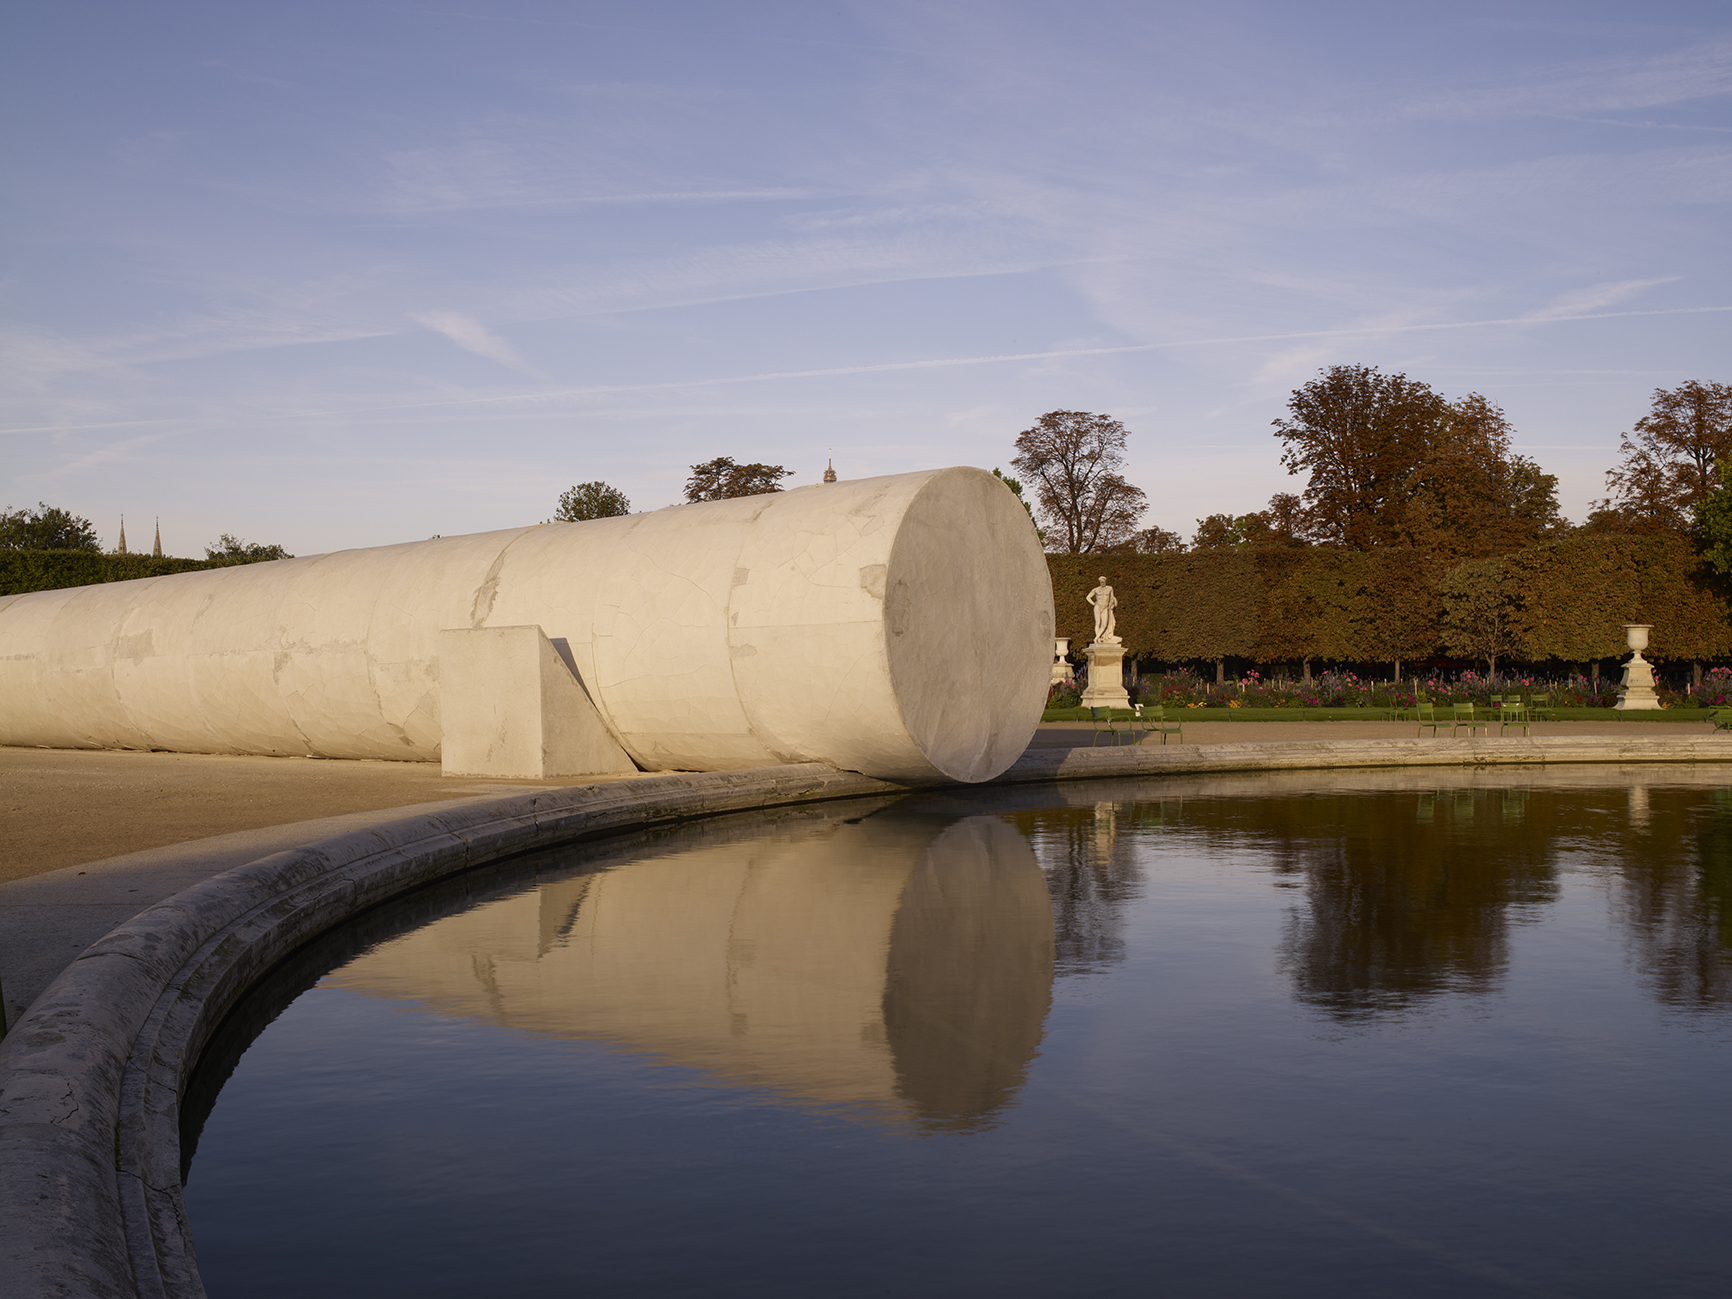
591	501
47	527
1073	459
232	550
1714	523
721	479
1015	485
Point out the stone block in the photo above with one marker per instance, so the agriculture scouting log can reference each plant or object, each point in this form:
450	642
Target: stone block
510	706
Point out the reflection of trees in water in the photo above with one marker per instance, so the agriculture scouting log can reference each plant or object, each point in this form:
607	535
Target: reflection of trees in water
1412	895
1407	896
1675	895
1092	874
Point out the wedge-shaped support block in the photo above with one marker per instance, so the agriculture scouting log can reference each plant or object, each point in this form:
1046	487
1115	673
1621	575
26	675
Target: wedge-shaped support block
509	705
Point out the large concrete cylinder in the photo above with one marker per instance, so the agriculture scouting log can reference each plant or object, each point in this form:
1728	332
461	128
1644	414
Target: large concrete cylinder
897	626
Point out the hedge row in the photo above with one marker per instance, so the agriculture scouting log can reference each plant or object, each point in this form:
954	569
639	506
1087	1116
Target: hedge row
52	570
1567	600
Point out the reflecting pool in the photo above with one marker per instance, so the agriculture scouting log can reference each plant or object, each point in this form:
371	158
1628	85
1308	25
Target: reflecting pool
1296	1035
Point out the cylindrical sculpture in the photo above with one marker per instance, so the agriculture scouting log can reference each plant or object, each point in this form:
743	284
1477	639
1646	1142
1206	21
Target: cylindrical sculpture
900	627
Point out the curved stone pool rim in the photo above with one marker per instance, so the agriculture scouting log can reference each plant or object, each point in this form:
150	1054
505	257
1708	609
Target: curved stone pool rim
91	1077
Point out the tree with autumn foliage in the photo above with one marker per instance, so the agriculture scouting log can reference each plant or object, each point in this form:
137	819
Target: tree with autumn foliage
1670	464
1361	436
1282	524
1391	462
1154	541
1072	459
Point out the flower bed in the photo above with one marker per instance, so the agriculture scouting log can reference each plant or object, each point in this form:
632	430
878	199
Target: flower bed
1346	690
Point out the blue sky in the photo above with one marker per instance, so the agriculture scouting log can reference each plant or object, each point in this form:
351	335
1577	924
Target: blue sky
336	275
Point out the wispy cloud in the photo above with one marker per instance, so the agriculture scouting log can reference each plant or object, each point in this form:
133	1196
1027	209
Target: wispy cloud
940	363
1596	296
1701	71
472	336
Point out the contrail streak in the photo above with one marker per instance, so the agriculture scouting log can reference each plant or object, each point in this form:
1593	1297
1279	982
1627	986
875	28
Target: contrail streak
886	367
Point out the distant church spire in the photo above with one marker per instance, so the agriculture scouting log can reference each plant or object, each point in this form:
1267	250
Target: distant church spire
121	548
157	550
830	468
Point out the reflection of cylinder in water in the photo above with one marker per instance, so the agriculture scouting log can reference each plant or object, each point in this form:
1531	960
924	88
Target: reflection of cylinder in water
900	964
1638	807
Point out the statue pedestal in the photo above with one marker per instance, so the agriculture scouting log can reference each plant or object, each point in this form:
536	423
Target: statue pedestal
1106	687
1637	691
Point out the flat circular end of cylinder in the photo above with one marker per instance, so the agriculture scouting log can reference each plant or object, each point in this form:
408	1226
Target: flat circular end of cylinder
968	624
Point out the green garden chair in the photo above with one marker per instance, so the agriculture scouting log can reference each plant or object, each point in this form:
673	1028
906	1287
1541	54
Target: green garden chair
1513	713
1104	725
1463	716
1721	717
1411	712
1426	715
1152	720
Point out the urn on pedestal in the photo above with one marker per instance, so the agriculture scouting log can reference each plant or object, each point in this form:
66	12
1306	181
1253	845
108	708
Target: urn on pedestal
1061	668
1637	689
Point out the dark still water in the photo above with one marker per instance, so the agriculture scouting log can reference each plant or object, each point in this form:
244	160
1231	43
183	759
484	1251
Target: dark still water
1259	1036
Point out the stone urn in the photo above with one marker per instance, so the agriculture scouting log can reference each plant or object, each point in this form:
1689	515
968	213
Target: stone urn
1062	673
1637	688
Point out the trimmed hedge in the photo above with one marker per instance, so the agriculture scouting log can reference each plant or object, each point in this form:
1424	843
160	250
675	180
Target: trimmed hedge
54	570
1316	602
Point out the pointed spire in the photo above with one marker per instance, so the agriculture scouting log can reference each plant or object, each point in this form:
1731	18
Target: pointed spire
121	548
157	551
830	468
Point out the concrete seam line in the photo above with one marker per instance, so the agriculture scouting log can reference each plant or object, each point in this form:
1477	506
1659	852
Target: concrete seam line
91	1076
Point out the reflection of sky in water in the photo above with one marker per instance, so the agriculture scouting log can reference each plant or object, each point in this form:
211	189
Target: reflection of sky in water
1251	1036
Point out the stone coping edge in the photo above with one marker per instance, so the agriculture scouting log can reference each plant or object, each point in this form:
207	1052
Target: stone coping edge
91	1077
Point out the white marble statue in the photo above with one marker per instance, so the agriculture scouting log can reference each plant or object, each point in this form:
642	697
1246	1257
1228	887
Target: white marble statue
1104	602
